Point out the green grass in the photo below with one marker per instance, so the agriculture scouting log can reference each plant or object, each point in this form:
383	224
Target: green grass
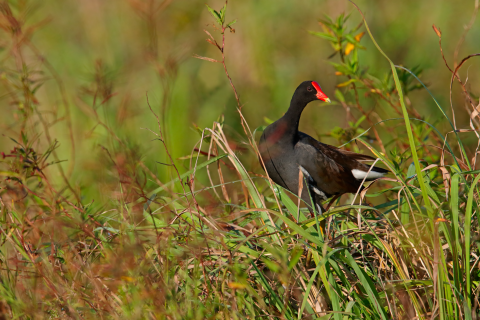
144	211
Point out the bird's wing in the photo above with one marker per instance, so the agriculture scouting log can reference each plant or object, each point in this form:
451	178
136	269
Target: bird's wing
351	160
328	175
356	156
334	170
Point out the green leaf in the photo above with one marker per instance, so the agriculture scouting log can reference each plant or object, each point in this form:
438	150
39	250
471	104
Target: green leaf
346	83
340	20
157	223
268	121
351	39
222	13
215	15
411	171
323	35
472	172
273	266
231	23
339	95
359	121
454	202
287	202
343	68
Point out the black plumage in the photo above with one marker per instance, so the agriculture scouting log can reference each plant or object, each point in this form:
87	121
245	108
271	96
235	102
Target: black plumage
329	171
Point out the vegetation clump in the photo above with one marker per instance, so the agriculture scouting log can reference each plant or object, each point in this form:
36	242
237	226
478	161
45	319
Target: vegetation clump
207	235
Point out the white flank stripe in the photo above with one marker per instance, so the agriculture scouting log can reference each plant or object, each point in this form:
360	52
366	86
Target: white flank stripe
320	193
305	173
360	175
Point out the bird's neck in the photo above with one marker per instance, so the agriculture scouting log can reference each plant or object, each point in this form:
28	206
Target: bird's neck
291	118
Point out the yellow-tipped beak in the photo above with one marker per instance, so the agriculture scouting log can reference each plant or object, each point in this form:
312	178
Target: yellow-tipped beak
328	100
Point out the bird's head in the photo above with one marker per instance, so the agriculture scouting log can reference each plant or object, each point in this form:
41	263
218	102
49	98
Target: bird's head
311	91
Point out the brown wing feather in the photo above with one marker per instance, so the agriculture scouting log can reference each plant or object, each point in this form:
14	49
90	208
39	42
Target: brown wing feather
329	175
331	167
348	159
356	156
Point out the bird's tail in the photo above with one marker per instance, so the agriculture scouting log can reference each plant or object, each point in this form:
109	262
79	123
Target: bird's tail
371	174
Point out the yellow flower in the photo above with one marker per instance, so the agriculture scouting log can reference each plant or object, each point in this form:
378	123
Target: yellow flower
349	48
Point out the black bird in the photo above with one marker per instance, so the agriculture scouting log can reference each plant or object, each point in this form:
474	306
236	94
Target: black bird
329	171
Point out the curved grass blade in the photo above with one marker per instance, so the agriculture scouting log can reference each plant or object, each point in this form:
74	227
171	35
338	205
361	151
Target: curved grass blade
408	127
186	174
468	224
312	280
367	285
269	289
444	114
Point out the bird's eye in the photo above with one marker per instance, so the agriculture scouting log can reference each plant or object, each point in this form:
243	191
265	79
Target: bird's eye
309	89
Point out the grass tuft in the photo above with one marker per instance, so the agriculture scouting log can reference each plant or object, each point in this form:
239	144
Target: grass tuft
208	235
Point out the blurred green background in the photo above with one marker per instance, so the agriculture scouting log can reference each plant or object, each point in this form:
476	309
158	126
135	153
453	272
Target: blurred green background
109	54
